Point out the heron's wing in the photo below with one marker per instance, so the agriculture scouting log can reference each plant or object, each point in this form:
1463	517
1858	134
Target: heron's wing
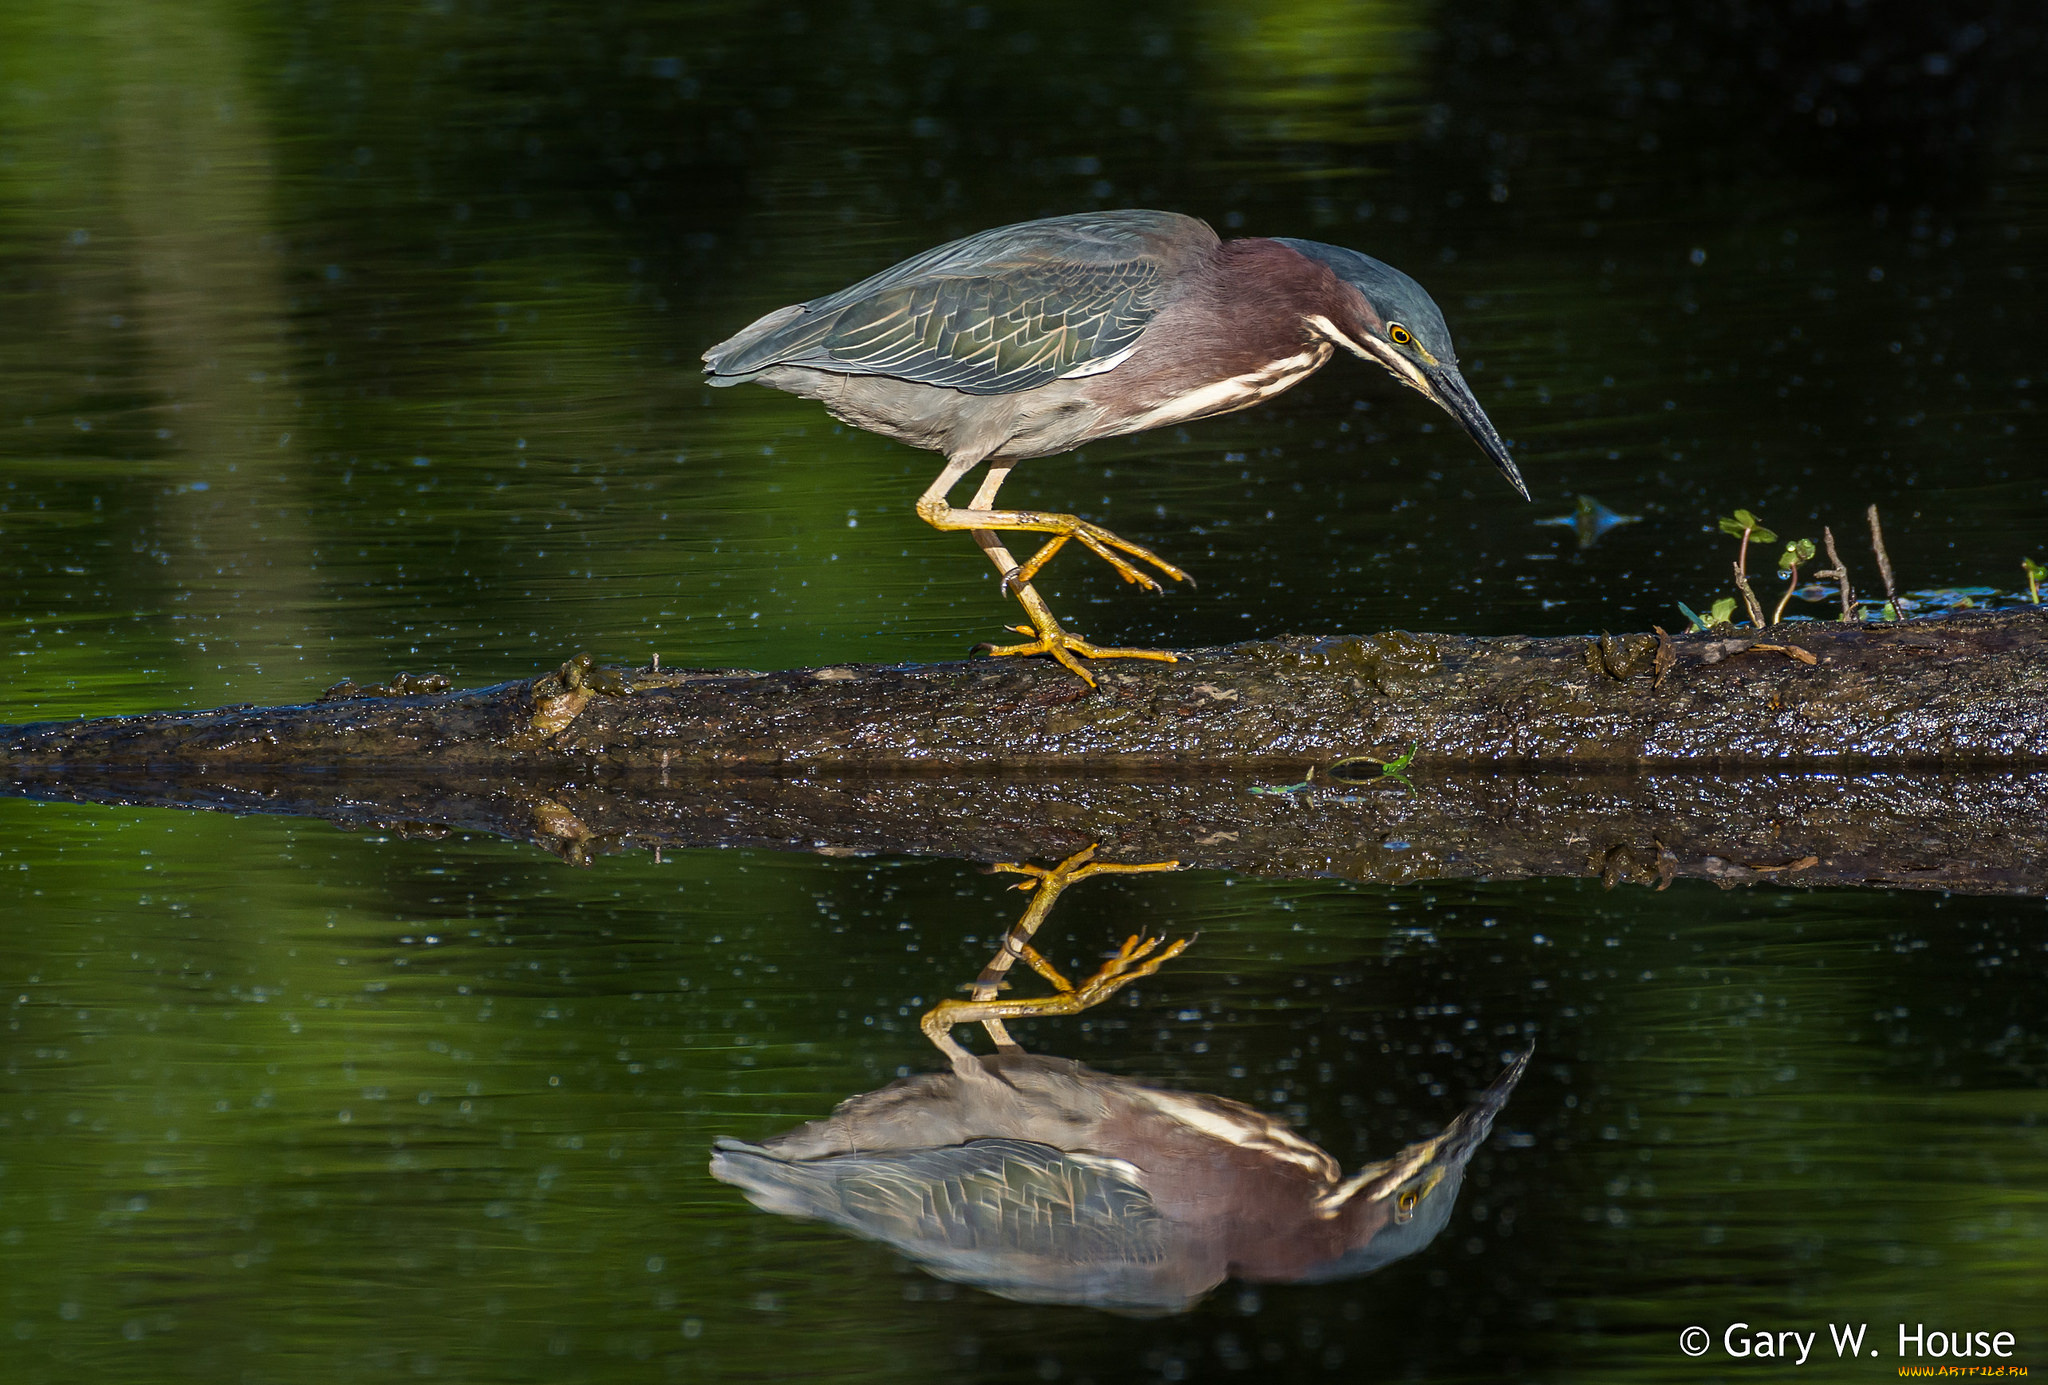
1000	1201
1001	311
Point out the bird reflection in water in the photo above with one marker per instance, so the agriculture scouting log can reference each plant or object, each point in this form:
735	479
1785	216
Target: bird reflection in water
1042	1180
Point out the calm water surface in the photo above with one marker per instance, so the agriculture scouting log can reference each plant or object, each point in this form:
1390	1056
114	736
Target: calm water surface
340	338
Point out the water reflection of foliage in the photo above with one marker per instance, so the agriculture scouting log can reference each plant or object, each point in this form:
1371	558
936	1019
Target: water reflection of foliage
1312	73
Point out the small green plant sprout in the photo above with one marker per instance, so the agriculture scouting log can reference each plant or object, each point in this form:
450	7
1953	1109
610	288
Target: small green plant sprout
1720	613
2035	572
1345	771
1747	526
1796	552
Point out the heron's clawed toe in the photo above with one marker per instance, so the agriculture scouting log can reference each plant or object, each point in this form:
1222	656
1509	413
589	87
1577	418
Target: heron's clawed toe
1138	957
1099	541
1069	649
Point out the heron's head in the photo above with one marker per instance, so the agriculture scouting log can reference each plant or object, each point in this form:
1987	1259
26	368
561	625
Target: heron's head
1396	323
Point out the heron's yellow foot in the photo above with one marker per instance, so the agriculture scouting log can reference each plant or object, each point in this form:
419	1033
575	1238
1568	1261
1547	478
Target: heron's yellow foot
1139	956
1049	882
1074	869
1136	959
933	510
1102	544
1067	647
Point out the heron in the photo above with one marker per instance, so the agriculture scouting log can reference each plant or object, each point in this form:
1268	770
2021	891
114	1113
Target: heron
1043	1180
1033	339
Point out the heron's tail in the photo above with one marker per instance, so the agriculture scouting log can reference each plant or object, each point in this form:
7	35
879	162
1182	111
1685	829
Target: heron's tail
789	1187
752	349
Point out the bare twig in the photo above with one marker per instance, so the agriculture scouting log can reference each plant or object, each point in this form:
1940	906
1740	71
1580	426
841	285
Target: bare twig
1790	651
1884	563
1756	608
1840	572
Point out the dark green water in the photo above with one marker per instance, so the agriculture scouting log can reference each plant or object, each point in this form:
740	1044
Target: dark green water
343	338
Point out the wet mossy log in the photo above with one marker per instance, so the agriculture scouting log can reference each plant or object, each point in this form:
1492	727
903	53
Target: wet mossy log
1959	692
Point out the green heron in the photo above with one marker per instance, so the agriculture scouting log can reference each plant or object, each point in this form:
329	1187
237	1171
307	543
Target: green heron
1033	339
1043	1180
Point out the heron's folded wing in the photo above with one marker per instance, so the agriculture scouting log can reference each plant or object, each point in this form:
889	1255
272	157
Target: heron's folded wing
1001	311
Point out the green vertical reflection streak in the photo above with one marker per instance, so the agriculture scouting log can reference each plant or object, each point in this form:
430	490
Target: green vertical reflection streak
195	191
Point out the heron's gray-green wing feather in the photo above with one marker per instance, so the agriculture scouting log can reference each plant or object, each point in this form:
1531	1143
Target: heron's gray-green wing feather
1001	311
999	1198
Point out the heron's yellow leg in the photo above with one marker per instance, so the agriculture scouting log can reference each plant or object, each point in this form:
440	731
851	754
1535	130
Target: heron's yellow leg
1049	637
1048	883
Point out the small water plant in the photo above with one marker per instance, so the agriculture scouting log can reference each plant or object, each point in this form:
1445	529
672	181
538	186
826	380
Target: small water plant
1722	612
1747	526
1345	771
1796	552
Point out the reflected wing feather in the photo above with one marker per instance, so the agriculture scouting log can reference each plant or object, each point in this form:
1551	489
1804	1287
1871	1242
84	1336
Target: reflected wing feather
990	1197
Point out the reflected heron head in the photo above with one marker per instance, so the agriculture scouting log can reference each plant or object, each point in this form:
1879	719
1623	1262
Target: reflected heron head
1398	1206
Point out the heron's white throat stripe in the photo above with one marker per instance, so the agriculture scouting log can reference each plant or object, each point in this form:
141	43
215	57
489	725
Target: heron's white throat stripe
1403	369
1238	392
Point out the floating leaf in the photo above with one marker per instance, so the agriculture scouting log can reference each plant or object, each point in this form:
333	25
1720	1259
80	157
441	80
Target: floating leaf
1590	520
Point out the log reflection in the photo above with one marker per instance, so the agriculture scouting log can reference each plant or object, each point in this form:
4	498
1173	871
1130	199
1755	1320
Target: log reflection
1042	1180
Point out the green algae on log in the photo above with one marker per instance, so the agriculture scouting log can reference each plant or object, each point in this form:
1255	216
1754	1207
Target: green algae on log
1951	692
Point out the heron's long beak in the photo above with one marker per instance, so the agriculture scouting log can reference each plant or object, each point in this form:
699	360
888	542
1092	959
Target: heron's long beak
1448	388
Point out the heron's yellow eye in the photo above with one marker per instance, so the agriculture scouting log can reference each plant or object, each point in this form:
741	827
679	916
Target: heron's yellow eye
1399	335
1404	1205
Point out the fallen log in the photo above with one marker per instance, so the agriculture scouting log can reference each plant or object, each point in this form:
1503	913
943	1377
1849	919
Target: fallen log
1950	693
1907	755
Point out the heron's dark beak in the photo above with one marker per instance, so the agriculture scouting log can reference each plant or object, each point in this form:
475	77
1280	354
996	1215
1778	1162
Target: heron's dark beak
1449	389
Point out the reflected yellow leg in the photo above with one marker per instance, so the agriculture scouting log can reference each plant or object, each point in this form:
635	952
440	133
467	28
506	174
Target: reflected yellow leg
1138	957
1134	959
